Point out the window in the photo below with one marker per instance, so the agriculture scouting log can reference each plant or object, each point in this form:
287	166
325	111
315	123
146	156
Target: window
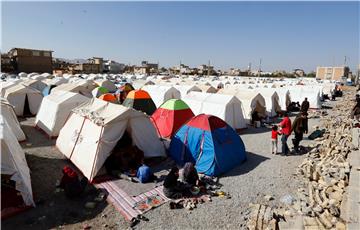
36	53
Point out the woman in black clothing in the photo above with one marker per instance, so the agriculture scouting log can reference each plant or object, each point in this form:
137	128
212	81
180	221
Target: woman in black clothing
190	175
172	187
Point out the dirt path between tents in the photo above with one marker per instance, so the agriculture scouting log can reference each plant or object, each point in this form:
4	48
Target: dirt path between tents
262	174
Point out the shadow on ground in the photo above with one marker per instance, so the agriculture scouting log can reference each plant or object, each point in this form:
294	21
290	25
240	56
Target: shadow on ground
53	208
253	160
35	137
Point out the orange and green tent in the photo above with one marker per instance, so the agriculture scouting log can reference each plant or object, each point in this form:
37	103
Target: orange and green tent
140	100
170	116
108	97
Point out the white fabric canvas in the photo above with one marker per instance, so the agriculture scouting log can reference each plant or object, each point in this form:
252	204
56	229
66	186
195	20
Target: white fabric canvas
160	93
107	84
226	107
299	92
271	100
55	109
16	96
284	97
8	113
94	128
185	89
13	162
251	101
36	84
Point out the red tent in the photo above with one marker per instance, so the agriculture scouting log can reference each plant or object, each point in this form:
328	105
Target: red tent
170	116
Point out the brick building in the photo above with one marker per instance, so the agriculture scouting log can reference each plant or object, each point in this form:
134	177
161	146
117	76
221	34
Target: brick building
31	60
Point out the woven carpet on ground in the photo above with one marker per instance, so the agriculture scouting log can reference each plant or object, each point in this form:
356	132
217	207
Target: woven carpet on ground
127	205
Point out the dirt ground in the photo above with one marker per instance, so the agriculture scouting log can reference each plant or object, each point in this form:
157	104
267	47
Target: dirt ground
262	174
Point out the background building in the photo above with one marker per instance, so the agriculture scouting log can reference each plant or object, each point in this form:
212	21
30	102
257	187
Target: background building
30	60
332	73
110	66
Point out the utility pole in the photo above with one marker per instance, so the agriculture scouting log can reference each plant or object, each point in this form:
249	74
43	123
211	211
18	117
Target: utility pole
208	69
158	66
260	67
344	60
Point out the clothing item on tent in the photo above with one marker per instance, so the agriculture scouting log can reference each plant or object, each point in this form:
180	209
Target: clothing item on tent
140	100
8	113
108	97
97	92
127	87
170	117
123	91
210	143
94	129
47	90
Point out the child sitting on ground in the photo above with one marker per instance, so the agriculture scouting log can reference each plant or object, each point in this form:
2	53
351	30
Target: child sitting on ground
274	139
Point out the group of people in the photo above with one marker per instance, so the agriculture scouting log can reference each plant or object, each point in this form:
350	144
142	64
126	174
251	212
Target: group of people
299	127
177	185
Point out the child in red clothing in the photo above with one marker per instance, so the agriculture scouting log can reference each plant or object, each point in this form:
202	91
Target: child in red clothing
71	184
274	139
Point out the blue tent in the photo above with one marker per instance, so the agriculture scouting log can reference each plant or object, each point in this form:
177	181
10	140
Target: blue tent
47	90
210	143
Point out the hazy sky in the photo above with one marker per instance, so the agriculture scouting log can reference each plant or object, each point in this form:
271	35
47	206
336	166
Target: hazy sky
286	35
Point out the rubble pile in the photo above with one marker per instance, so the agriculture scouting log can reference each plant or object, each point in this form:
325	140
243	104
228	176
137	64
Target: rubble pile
325	171
262	217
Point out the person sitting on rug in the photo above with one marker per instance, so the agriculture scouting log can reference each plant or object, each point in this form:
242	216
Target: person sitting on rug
71	184
189	174
173	188
144	174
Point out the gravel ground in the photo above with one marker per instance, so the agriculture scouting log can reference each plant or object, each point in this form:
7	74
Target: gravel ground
262	174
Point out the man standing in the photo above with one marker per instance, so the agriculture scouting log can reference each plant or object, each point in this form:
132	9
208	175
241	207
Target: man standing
285	124
305	105
300	126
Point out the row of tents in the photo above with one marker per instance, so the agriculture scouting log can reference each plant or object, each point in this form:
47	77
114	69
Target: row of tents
234	105
198	119
94	129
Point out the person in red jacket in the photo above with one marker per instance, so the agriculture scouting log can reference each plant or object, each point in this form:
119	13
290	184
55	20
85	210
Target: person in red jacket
71	184
274	139
285	124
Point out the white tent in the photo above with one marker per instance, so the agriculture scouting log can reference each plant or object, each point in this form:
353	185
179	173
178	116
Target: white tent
271	100
93	130
298	93
56	81
82	87
284	97
24	98
107	84
8	113
160	93
185	89
8	84
251	101
226	107
207	89
36	84
13	162
55	109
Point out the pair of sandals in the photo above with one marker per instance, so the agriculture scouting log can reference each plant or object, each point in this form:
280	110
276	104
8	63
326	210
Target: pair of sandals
134	221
